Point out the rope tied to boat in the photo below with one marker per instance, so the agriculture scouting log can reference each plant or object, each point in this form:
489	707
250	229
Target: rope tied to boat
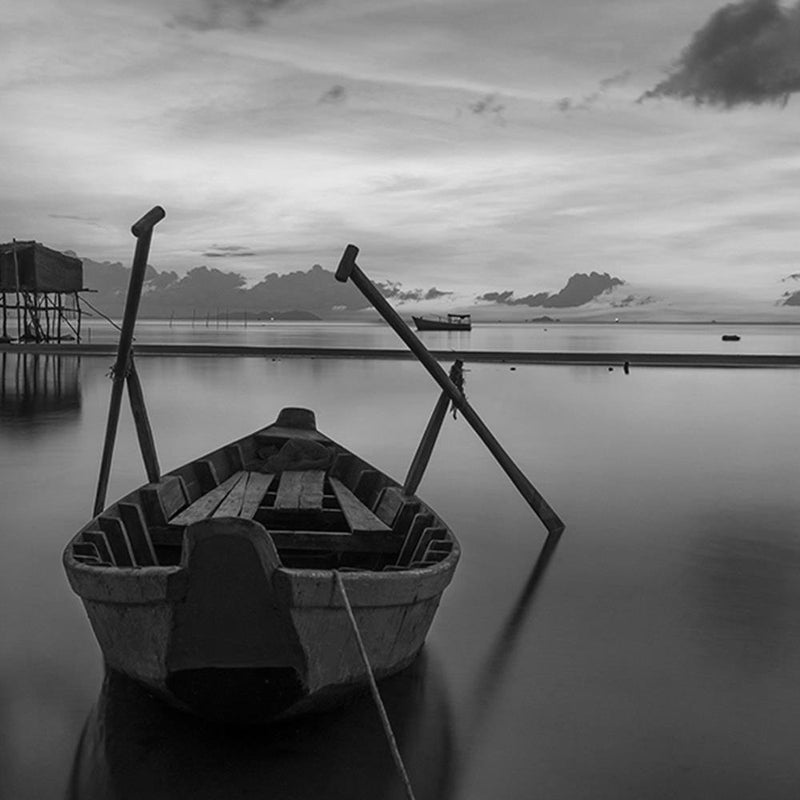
387	727
457	376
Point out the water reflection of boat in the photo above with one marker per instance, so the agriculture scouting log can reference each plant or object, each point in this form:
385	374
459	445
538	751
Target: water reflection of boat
223	586
453	322
133	747
39	383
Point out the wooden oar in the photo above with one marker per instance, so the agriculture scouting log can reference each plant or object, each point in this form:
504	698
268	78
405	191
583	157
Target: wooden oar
349	269
143	231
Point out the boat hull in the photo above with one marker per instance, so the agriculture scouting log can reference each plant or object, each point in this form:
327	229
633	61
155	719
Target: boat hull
231	633
139	639
423	324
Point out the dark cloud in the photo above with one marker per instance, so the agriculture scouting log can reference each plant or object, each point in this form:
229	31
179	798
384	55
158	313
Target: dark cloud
747	52
238	14
580	289
336	94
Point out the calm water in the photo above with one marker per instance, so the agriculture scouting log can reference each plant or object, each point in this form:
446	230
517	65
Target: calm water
656	657
684	338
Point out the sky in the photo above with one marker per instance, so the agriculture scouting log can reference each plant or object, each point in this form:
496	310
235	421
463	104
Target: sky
471	145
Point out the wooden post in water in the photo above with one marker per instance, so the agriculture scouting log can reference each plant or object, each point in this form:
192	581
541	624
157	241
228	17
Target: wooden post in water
143	430
349	269
143	231
423	455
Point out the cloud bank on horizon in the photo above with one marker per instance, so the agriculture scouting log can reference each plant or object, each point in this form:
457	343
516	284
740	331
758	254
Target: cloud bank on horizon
459	143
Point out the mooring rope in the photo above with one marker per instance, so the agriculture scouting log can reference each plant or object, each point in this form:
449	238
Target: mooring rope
387	727
98	311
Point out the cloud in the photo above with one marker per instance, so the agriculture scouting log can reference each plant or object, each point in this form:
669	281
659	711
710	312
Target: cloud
394	291
75	217
235	14
566	104
507	298
616	80
336	94
488	106
580	289
747	52
223	251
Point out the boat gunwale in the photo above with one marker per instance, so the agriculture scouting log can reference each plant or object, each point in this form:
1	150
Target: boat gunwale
300	588
167	583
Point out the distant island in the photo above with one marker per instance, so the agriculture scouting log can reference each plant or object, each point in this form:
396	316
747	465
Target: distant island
310	295
314	295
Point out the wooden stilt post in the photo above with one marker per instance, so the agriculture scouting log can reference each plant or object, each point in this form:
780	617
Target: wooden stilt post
143	231
349	269
5	319
143	430
423	455
16	282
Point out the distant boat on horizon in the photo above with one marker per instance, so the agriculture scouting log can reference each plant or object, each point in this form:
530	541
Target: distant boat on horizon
453	322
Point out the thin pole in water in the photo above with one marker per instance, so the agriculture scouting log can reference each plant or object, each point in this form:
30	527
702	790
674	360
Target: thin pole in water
143	231
349	269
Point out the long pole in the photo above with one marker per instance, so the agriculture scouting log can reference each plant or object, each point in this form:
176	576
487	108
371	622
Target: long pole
349	269
143	231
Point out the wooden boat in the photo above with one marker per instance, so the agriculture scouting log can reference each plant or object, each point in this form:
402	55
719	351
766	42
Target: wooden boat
279	573
216	587
453	322
731	337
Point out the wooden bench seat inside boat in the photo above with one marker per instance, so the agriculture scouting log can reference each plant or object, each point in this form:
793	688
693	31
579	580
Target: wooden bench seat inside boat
303	510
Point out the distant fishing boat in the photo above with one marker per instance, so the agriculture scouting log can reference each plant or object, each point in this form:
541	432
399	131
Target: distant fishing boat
731	337
217	586
453	322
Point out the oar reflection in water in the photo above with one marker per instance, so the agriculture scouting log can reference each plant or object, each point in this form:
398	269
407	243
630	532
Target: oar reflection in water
491	675
134	747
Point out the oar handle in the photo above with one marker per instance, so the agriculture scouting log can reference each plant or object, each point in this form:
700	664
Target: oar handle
148	221
349	269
